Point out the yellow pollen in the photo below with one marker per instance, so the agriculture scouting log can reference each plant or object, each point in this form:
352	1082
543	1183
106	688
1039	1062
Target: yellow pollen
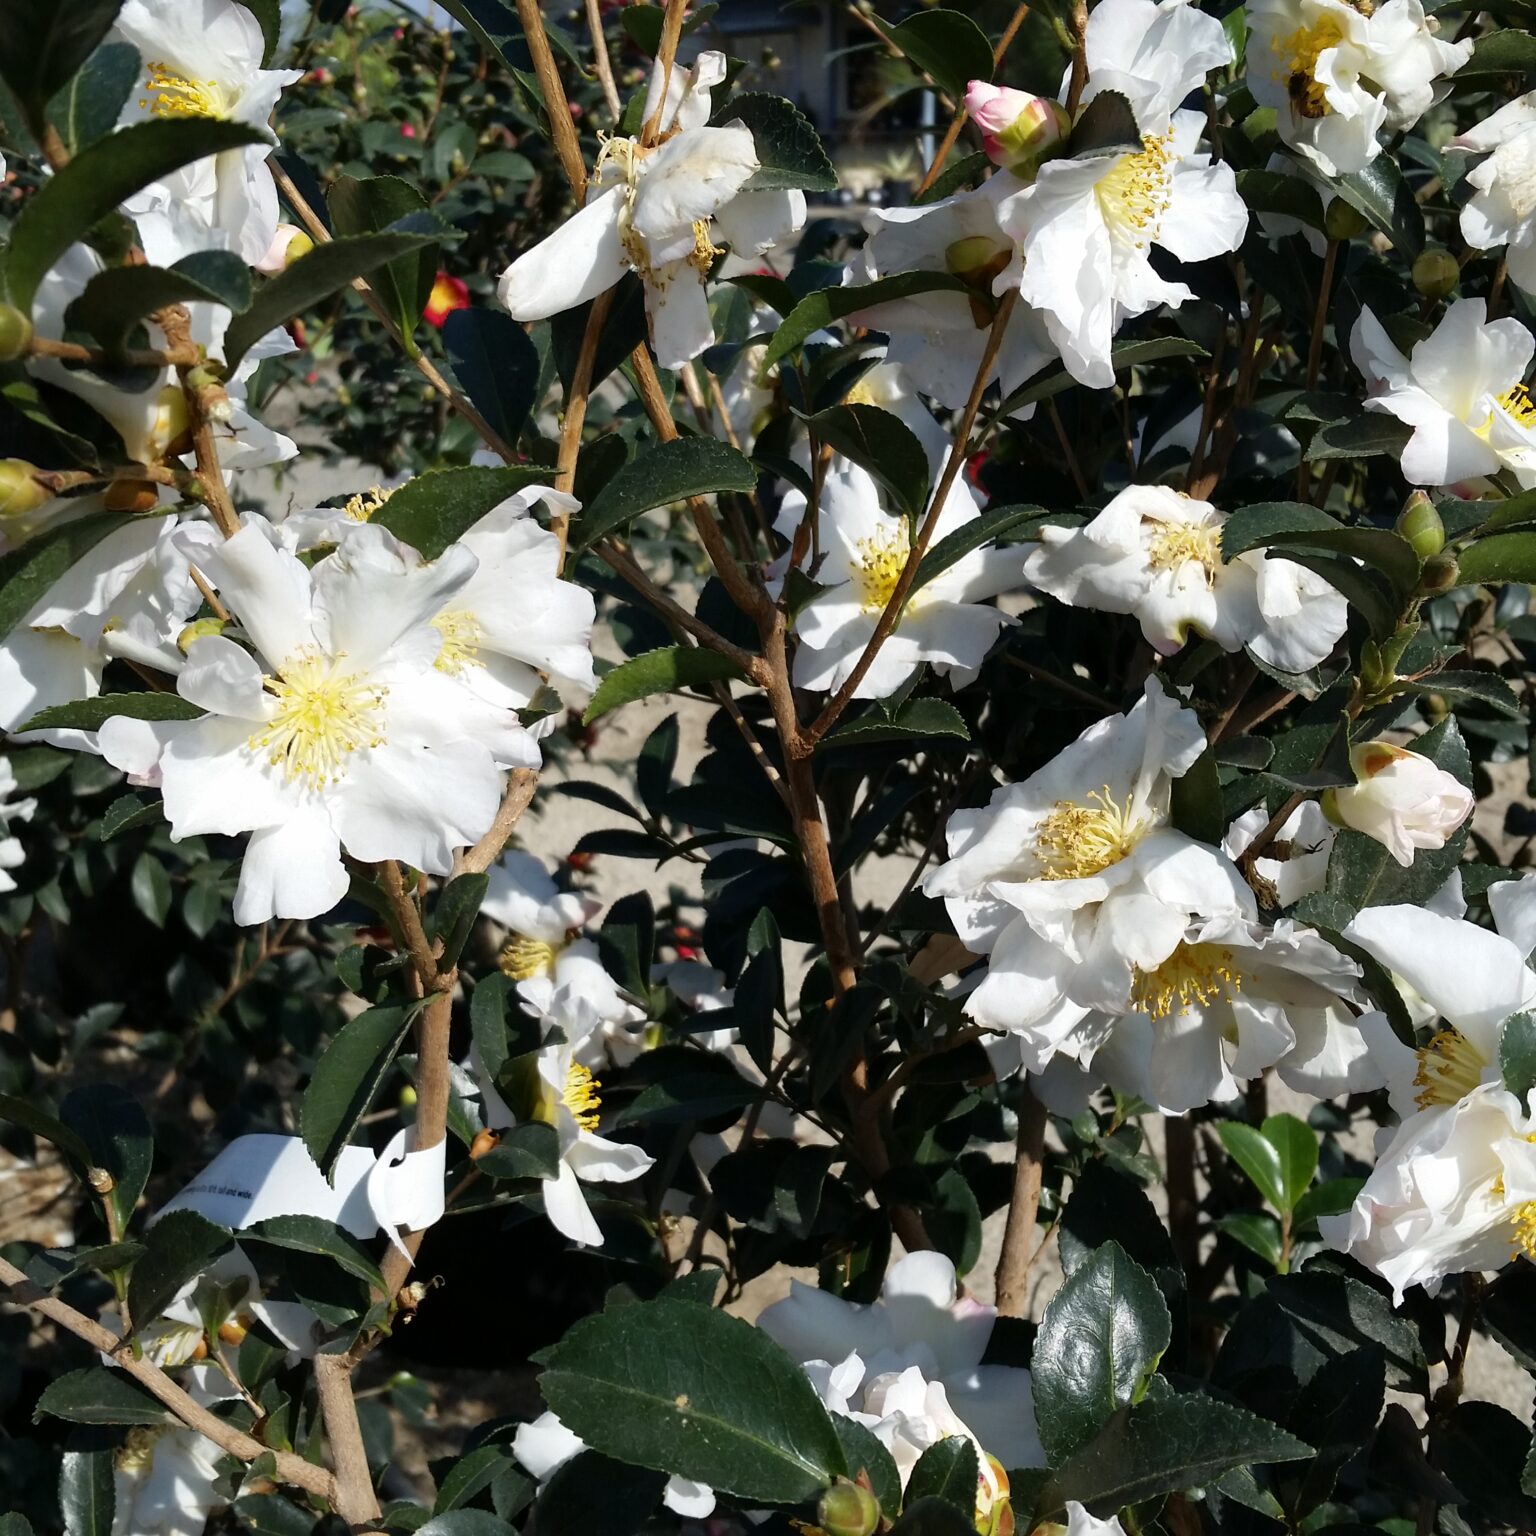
173	95
1076	841
461	634
581	1096
1193	976
1524	1235
1301	50
138	1450
360	508
860	394
324	714
882	559
1518	403
702	257
1450	1067
1134	196
523	958
1176	544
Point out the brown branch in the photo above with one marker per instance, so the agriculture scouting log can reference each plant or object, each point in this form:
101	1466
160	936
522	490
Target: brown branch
1183	1198
424	364
562	130
1079	56
601	61
575	417
355	1499
666	55
98	357
290	1468
892	613
521	783
1018	1252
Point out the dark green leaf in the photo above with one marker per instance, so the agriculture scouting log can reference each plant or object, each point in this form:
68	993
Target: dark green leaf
1159	1447
92	714
150	888
669	472
90	103
1122	355
113	1125
1294	197
1381	194
1295	1143
1517	1054
945	45
1101	1339
694	1392
1257	1232
370	206
933	1517
100	1395
1501	52
949	1470
177	1248
116	300
471	1474
434	509
324	271
1107	127
1482	687
789	151
1294	525
41	46
347	1075
825	306
93	183
27	573
465	1522
864	1455
1258	1157
916	718
1361	437
589	1495
455	913
22	1112
87	1492
994	525
130	811
881	443
497	365
668	670
1498	558
311	1234
529	1151
269	18
1195	802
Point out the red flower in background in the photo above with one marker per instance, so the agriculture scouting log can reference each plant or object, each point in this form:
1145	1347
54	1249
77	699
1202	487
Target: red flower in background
448	294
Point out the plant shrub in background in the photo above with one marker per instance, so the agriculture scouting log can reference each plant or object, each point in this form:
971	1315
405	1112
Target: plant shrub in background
1101	584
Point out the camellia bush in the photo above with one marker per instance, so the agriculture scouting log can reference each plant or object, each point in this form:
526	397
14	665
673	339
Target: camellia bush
1069	900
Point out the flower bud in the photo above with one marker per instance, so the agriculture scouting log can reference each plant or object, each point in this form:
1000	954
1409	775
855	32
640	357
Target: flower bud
200	1350
15	333
1400	798
197	630
485	1141
288	245
1018	130
1420	524
100	1180
1435	272
232	1332
1440	574
131	496
1342	221
19	491
846	1509
977	260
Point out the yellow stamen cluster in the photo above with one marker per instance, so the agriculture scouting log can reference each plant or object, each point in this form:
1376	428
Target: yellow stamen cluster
324	714
1450	1067
461	632
1176	544
882	559
1301	50
1134	196
1077	841
1193	976
174	95
523	958
1524	1234
360	508
1517	401
581	1096
702	257
138	1450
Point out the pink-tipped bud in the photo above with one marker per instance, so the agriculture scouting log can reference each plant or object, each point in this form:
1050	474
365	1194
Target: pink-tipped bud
288	244
1017	130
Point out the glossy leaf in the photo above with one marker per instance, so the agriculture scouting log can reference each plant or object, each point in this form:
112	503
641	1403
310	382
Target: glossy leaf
97	1394
42	47
1385	198
92	714
882	444
1497	558
432	510
497	365
116	300
949	1470
668	670
1295	1143
669	472
864	1455
790	154
1258	1157
590	1495
177	1248
371	205
826	306
114	1126
89	104
87	1491
27	573
945	45
347	1075
311	1234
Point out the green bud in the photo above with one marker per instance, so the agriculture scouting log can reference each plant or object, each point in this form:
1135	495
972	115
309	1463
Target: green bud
1343	222
198	629
1420	524
1328	802
299	246
15	333
1439	574
19	491
846	1509
1435	272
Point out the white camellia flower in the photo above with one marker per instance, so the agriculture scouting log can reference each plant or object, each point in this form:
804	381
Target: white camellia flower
1502	211
561	1092
1296	863
1337	74
654	211
937	339
164	1482
544	1445
908	1366
1081	1523
202	58
1086	226
339	732
863	552
558	973
1068	889
1400	798
1461	389
12	854
1156	553
1233	999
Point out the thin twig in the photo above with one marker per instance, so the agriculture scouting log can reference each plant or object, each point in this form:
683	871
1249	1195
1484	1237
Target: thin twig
1018	1250
556	108
666	54
601	61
